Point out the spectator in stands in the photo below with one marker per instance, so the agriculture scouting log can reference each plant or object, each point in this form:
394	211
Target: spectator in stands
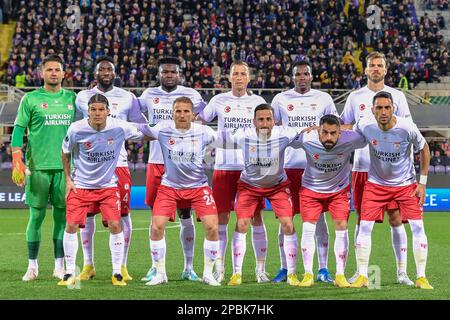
438	159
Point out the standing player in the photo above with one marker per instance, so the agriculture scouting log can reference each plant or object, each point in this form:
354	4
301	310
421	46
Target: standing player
183	145
125	106
326	187
299	108
392	177
263	177
234	110
357	107
47	114
96	144
158	102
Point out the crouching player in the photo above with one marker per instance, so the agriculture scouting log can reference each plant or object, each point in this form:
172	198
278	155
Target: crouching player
95	143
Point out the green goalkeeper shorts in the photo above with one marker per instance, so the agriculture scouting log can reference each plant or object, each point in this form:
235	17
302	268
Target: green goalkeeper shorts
42	184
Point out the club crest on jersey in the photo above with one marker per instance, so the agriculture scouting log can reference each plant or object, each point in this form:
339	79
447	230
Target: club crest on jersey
70	107
374	142
227	109
397	145
313	106
249	110
87	145
362	106
290	107
44	105
171	141
252	149
156	100
110	141
316	156
114	106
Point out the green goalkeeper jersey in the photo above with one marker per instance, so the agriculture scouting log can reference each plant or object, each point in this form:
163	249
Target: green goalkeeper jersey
47	116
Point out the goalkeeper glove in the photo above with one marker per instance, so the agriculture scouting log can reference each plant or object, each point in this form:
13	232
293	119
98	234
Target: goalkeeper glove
19	168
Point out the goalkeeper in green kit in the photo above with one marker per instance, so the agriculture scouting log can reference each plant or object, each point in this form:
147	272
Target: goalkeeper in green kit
47	114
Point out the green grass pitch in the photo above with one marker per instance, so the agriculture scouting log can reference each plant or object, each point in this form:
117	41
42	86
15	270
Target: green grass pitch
13	264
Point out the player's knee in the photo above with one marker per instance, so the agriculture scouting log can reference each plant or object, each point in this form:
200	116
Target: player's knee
257	219
340	225
71	228
224	218
242	225
184	213
417	228
114	227
395	218
287	227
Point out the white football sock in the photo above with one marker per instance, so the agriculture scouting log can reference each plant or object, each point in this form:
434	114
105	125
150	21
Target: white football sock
341	250
364	246
33	264
420	246
259	241
281	248
210	253
223	240
158	250
59	263
290	252
70	243
322	237
116	242
308	246
87	240
127	229
400	246
238	246
187	237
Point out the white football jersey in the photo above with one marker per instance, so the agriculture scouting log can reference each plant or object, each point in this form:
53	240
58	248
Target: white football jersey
391	163
300	111
183	153
96	153
263	159
232	113
359	106
122	105
328	171
158	103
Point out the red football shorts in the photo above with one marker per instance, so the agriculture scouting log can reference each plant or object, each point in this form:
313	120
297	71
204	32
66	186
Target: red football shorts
376	197
295	176
225	186
168	199
79	203
124	186
154	177
249	199
359	180
312	204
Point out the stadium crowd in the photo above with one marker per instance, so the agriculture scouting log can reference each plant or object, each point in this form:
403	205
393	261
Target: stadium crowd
209	35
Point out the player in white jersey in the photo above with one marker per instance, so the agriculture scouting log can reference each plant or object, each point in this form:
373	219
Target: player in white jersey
263	148
326	187
158	103
234	110
392	177
358	106
299	108
125	106
183	145
95	145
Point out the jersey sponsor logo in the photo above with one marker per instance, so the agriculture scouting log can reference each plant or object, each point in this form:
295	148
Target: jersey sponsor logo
374	142
44	105
316	156
156	100
227	109
171	141
87	145
290	107
110	141
362	106
70	106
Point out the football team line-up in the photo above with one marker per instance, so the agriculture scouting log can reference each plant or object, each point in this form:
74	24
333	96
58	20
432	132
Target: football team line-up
295	152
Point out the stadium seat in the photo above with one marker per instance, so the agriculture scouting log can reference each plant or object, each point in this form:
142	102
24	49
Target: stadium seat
6	165
439	169
431	169
447	169
140	166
